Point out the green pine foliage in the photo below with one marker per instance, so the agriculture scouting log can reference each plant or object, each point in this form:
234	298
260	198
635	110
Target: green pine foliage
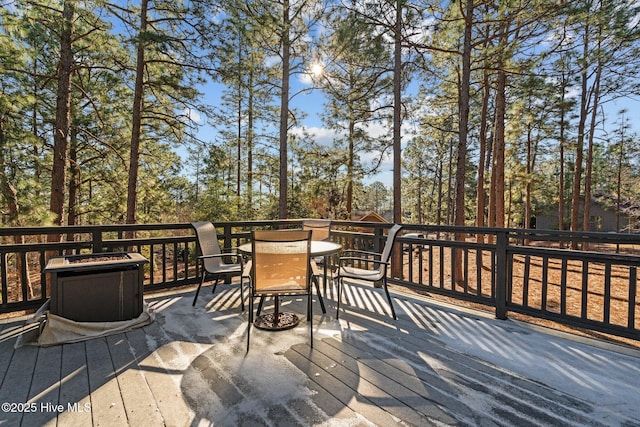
564	73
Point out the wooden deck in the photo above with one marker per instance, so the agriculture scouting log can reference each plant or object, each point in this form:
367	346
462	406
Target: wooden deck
435	365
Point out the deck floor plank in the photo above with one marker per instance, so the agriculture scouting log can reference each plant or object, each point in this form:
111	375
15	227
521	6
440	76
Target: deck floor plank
433	365
325	391
408	394
160	380
413	371
359	396
74	386
8	335
465	376
45	388
14	390
139	403
107	406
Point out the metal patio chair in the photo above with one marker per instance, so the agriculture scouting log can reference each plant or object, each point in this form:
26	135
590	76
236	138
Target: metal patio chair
212	258
280	266
354	264
320	230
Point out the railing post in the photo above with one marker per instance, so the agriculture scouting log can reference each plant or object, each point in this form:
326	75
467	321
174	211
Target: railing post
227	244
501	274
96	240
227	236
378	236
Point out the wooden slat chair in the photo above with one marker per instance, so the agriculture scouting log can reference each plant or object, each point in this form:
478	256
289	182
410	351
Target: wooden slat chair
320	230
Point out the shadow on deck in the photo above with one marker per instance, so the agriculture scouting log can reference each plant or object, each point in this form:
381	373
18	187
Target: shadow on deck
434	366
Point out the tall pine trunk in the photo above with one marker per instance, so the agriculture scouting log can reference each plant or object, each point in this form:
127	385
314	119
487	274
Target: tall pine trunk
74	181
498	138
463	120
134	154
284	110
480	192
10	196
397	115
563	143
250	145
528	172
396	266
589	164
61	130
584	107
463	129
239	130
350	164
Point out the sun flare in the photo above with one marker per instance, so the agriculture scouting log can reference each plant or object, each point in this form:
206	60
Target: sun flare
317	69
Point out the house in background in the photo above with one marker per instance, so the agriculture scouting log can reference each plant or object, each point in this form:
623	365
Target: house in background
370	216
603	215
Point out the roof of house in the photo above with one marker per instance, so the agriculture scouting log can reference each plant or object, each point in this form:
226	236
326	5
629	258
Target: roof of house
610	201
372	216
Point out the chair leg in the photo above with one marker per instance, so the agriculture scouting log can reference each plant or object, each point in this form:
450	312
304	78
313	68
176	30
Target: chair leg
340	282
198	290
324	310
325	267
310	320
215	284
241	294
250	317
260	305
393	312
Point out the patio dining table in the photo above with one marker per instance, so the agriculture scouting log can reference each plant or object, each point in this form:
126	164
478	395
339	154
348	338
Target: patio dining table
319	248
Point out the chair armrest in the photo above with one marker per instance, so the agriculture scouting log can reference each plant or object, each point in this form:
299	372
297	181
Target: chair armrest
356	251
238	256
246	270
343	260
314	268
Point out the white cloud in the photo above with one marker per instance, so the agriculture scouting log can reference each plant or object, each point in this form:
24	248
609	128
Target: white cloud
375	129
270	61
306	79
326	137
572	92
189	116
323	136
195	116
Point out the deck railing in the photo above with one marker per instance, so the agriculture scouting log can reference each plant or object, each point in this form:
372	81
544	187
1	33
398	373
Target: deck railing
588	280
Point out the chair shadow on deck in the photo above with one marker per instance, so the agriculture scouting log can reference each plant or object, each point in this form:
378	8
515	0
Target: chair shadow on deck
284	378
430	366
227	386
434	364
346	376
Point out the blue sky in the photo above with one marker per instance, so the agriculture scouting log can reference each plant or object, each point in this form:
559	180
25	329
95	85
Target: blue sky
312	104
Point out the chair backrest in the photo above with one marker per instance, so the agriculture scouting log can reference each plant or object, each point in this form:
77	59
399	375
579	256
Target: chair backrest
208	242
388	246
280	261
320	228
